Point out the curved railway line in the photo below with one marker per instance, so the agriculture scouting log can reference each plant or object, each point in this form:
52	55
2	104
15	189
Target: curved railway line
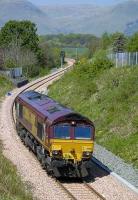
70	190
84	190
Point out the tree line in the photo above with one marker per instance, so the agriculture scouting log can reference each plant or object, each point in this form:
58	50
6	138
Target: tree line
20	46
115	42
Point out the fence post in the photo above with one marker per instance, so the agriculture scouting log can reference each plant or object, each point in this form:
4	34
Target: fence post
116	61
129	59
122	59
136	58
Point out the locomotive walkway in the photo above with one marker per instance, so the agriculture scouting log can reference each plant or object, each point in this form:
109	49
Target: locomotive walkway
43	186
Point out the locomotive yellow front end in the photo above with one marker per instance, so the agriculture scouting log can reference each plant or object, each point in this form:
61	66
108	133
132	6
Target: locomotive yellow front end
71	149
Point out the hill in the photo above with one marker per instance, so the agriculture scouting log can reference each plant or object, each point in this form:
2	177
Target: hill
109	98
92	18
23	10
72	2
131	28
75	18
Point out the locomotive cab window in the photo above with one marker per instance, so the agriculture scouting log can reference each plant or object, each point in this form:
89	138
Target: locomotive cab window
83	132
62	131
40	131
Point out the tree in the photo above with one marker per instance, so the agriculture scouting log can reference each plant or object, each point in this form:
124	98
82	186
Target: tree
20	44
118	42
21	33
93	46
106	40
1	58
133	43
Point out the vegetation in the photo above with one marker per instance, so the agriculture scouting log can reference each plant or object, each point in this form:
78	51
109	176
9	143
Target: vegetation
87	44
5	86
70	40
11	186
75	45
108	96
133	43
20	46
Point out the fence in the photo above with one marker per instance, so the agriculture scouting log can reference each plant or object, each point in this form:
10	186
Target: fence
12	72
124	59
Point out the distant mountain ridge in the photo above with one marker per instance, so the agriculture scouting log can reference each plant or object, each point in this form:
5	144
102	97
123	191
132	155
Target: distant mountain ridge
54	19
23	10
131	28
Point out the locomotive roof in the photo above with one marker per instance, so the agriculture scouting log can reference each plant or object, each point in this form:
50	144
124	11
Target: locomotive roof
47	107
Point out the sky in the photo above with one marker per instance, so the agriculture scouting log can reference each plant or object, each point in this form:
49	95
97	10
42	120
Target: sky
98	2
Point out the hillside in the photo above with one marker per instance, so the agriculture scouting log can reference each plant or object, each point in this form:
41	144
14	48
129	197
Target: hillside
23	10
91	18
131	28
109	98
75	18
76	2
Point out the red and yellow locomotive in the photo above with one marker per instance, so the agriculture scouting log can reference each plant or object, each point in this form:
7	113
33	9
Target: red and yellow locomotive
62	139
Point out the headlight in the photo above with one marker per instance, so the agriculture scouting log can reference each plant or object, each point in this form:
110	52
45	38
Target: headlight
56	152
87	154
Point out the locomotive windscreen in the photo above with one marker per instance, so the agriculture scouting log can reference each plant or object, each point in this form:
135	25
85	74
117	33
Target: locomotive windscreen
62	131
68	131
82	132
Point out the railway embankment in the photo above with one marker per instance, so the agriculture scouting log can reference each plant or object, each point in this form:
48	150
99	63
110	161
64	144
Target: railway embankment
108	96
11	186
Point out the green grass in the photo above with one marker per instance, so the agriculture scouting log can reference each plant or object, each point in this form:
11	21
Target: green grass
5	85
110	99
11	186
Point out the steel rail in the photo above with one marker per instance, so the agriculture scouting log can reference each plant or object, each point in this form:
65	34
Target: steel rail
93	190
67	191
42	82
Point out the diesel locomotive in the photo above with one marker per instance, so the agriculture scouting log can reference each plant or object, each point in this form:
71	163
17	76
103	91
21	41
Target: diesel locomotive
62	139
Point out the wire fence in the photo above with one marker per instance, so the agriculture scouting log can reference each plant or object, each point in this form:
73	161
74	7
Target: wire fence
124	59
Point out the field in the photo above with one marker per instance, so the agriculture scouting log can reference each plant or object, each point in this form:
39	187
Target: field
110	99
11	186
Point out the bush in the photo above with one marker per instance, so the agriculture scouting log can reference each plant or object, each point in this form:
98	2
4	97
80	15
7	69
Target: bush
9	63
100	61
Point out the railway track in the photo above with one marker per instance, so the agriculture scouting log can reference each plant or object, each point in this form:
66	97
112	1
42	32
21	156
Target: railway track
43	186
74	191
38	83
80	191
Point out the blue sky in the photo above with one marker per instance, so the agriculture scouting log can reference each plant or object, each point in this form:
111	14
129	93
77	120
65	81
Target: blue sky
99	2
